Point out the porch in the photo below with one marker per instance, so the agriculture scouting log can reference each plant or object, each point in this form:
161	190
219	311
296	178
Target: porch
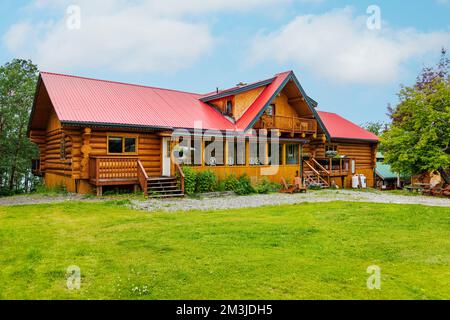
322	170
123	171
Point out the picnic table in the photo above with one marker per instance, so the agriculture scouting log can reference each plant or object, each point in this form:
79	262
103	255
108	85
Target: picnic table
417	187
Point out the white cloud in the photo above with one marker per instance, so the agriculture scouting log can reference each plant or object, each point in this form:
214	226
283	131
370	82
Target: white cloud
138	36
338	45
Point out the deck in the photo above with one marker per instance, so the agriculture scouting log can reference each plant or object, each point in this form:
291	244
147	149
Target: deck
118	170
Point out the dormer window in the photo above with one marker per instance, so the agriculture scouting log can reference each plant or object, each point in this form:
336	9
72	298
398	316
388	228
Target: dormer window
229	108
270	111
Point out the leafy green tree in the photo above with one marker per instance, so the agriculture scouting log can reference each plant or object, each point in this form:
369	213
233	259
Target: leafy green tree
17	87
376	127
419	136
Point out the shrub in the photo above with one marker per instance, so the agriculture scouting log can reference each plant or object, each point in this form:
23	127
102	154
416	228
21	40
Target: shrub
206	181
265	186
231	182
220	186
190	180
244	186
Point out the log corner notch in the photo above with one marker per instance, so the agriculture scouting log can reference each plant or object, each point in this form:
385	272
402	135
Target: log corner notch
85	151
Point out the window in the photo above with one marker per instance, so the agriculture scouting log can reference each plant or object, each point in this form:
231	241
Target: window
270	111
292	152
257	152
330	147
236	152
168	149
196	152
229	109
275	159
214	152
130	145
119	145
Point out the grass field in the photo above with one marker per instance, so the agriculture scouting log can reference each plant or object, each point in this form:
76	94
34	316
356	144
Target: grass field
305	251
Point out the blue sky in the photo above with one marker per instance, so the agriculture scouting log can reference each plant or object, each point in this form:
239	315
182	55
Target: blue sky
197	45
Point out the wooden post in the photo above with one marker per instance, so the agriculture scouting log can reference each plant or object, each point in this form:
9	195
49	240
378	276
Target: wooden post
266	160
283	154
247	152
203	152
225	153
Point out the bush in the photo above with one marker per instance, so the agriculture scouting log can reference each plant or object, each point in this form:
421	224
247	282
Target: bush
231	182
265	186
244	186
190	180
220	187
206	181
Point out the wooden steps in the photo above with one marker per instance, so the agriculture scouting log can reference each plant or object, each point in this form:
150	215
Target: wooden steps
164	187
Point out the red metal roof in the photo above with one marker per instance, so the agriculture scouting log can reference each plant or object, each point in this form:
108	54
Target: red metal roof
83	100
340	128
80	100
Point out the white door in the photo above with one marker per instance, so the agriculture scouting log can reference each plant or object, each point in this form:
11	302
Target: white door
166	157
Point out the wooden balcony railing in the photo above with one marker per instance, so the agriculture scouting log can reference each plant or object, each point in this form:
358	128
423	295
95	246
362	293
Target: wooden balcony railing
285	123
113	170
334	167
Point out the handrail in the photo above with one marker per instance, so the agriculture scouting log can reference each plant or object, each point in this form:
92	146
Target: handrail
289	122
182	175
118	156
142	177
312	168
316	172
320	166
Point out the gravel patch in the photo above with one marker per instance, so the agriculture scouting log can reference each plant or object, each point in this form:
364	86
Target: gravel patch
236	202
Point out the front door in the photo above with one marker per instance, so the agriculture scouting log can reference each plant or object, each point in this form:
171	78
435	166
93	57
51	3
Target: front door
166	157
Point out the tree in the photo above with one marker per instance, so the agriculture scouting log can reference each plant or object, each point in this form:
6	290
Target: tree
419	136
376	127
17	87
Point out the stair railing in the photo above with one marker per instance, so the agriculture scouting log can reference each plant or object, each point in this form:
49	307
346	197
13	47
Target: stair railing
182	176
320	166
142	177
319	177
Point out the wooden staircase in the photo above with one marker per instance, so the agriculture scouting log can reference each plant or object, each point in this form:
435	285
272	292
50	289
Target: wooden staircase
164	187
315	174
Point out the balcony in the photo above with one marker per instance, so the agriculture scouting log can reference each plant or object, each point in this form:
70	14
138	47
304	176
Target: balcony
287	124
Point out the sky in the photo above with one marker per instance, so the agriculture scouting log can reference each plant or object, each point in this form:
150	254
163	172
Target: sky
350	56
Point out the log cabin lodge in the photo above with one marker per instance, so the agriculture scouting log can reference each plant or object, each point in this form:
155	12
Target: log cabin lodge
95	134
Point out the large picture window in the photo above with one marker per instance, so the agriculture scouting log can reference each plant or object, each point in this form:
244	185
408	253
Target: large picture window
122	144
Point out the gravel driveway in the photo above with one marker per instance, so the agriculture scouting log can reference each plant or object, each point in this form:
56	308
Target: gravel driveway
234	202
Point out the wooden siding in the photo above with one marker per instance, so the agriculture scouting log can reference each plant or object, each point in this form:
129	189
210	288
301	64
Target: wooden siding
244	100
149	149
241	102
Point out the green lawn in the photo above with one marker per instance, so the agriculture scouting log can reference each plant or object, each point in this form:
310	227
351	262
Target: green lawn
305	251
